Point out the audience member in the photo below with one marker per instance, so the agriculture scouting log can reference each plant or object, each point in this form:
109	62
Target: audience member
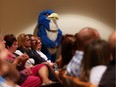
59	60
84	37
36	48
67	50
67	46
108	78
95	60
8	73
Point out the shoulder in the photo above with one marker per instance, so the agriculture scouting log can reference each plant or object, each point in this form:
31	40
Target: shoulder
108	78
96	74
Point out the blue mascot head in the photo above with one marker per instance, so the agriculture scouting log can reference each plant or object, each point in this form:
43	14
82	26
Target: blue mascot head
45	17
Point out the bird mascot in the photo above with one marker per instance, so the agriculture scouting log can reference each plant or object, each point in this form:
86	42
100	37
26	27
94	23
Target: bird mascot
49	33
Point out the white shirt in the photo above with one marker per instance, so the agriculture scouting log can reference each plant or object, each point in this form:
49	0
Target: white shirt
42	55
96	74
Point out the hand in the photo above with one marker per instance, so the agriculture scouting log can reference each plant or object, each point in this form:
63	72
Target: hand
50	63
25	57
22	58
56	45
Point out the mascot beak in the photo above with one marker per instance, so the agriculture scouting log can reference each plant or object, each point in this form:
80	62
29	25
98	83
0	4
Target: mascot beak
53	16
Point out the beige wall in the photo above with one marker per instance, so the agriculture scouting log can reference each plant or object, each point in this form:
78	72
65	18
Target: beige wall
17	16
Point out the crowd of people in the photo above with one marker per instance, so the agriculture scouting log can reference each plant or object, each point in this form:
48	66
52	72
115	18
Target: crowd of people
82	55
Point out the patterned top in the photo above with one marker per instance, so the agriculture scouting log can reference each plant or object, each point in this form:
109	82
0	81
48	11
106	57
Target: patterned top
11	58
74	64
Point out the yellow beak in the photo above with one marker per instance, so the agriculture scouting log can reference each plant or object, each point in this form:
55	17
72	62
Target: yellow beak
54	16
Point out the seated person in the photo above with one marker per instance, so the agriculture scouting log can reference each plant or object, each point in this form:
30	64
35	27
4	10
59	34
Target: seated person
108	78
40	70
95	60
36	48
8	73
84	37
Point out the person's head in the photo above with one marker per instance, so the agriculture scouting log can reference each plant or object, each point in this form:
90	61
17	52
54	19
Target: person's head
36	43
96	53
67	49
2	41
5	67
86	36
3	51
31	37
112	41
11	42
65	36
23	40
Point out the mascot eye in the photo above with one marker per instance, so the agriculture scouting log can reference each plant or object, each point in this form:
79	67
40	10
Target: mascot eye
47	14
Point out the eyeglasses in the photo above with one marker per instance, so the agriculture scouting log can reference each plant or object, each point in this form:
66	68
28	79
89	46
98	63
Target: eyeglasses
32	40
39	43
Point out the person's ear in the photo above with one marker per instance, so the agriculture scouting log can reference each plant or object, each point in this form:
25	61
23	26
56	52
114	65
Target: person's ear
111	57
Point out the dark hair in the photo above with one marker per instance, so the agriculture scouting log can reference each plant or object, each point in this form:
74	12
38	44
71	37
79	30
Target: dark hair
67	49
65	36
29	35
96	53
10	39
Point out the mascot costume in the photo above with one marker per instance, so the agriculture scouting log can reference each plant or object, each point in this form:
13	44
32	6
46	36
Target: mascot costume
49	33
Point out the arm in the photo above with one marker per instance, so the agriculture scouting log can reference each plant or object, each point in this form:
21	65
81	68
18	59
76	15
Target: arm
58	38
20	59
45	40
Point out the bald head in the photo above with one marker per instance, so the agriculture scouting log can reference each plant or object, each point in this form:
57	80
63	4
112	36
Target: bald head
89	33
86	35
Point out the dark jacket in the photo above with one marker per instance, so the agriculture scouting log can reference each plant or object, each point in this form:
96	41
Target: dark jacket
108	78
32	54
